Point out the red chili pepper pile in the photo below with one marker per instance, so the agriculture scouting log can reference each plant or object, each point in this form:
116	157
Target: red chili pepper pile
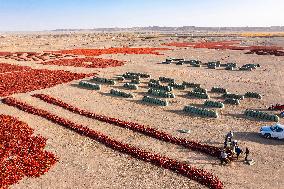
32	56
27	79
12	68
232	45
208	45
266	52
207	149
20	153
88	62
199	175
124	50
3	54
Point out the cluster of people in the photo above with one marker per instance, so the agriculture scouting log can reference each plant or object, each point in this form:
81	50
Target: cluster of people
231	149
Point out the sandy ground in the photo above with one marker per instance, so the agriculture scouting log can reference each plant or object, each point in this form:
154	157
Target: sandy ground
84	163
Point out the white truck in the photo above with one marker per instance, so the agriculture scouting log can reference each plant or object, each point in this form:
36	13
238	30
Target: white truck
274	131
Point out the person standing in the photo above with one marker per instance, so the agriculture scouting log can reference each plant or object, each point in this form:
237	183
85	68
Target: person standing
229	136
225	144
234	143
238	151
233	146
223	157
247	153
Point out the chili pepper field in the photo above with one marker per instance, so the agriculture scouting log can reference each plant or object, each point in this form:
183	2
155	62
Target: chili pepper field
62	127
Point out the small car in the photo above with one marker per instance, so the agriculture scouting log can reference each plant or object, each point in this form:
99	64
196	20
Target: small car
274	131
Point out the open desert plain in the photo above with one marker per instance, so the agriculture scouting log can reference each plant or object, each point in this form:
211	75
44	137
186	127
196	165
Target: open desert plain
69	120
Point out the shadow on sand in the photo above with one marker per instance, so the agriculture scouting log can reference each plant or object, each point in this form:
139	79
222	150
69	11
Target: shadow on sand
256	137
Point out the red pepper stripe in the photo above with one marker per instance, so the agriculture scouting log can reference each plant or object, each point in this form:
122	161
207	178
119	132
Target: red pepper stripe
123	50
199	175
81	62
231	45
148	131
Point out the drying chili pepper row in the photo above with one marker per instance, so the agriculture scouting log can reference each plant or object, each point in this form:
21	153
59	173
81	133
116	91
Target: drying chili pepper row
232	45
12	68
30	79
207	44
32	56
266	52
146	130
21	154
5	54
123	50
88	62
199	175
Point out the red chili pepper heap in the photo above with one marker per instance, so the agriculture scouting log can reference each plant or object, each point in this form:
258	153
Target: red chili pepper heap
231	45
19	79
21	154
88	62
124	50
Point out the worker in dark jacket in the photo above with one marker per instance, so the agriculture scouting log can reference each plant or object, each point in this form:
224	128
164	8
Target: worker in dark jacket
225	144
223	157
229	136
247	153
238	151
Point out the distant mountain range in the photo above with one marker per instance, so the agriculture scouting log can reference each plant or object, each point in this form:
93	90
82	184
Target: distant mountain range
183	29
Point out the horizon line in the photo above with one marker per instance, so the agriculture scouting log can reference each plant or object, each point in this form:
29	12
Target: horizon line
132	27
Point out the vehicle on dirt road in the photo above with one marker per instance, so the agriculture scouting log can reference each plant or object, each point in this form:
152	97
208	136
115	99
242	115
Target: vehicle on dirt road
274	131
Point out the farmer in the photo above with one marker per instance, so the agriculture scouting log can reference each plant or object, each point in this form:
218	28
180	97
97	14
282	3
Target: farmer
223	157
234	144
247	153
238	151
225	144
229	136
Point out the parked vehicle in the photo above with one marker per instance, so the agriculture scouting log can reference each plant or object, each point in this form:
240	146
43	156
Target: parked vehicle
274	131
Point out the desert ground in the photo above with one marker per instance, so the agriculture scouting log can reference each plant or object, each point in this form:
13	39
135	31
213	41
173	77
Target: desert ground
86	163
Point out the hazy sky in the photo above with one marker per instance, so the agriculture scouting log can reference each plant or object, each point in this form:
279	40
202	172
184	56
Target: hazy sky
30	15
